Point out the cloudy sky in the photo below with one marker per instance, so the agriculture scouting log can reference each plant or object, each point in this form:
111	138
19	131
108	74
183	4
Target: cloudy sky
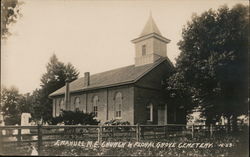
94	36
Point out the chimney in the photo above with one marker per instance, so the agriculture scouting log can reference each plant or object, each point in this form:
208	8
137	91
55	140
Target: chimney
67	94
86	79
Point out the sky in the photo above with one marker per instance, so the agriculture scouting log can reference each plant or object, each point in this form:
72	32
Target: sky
94	36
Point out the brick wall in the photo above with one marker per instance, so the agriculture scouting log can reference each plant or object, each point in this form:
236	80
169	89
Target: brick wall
106	102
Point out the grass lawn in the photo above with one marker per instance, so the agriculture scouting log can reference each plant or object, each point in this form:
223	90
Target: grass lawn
223	145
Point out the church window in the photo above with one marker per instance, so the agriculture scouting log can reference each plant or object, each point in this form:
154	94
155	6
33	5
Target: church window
118	105
57	108
143	50
77	103
95	105
149	112
62	106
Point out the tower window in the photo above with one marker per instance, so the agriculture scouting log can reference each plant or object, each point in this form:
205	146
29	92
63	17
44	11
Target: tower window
143	50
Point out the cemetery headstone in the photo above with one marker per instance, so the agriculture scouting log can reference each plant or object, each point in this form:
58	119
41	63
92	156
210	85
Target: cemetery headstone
25	121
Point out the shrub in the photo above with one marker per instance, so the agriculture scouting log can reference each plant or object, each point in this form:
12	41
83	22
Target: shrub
116	122
75	118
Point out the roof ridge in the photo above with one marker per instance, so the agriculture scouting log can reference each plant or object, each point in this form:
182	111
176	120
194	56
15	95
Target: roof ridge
130	74
111	70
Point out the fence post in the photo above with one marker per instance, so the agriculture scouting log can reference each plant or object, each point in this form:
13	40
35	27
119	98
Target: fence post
226	127
154	132
112	128
138	132
141	132
192	131
19	138
100	134
1	142
39	138
211	130
165	131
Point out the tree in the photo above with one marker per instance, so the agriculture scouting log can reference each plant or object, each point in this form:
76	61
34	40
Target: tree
13	105
179	93
53	79
213	61
25	103
75	117
9	14
56	74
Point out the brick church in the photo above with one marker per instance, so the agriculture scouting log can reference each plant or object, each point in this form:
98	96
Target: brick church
132	93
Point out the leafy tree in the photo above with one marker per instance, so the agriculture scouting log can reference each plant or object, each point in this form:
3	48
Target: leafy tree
25	103
179	92
13	105
38	107
213	61
179	95
75	117
53	79
9	14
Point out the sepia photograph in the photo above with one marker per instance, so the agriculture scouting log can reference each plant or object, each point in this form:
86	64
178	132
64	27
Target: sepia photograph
124	78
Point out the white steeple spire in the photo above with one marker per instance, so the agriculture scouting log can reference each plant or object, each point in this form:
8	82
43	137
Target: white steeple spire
150	27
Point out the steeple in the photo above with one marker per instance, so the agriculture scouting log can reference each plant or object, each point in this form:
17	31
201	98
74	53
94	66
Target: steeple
150	45
150	27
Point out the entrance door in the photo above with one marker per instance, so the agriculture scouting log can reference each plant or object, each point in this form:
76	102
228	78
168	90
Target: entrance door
162	114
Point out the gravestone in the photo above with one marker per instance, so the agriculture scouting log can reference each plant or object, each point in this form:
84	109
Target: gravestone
25	121
2	123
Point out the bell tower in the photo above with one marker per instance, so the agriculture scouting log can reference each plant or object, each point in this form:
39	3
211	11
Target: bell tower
150	45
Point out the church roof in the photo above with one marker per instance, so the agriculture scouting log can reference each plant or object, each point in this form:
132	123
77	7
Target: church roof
116	77
150	27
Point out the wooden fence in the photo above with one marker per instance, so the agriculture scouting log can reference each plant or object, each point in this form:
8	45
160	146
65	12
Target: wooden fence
41	134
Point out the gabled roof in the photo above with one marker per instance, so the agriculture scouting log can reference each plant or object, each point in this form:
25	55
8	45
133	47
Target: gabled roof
120	76
150	27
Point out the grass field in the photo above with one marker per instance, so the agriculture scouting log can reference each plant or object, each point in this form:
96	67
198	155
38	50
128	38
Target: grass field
234	145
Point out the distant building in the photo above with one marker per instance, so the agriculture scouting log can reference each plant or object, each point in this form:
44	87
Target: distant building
133	93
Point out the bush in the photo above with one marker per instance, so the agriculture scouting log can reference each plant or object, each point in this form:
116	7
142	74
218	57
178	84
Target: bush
12	120
116	122
119	123
75	118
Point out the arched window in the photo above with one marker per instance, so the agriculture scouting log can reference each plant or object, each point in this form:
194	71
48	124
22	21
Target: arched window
62	106
149	112
118	105
57	107
77	103
143	50
95	105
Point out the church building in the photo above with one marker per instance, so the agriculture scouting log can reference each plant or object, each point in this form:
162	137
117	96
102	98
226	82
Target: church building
133	93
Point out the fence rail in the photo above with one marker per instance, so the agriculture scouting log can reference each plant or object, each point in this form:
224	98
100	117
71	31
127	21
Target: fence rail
40	134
